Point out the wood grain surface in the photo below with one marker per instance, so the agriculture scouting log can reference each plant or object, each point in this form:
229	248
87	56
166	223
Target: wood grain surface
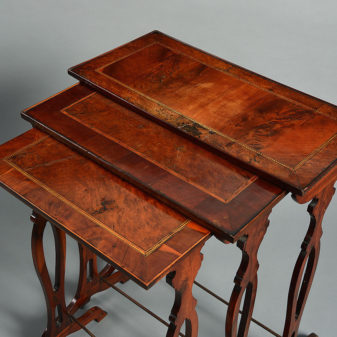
287	136
196	182
126	227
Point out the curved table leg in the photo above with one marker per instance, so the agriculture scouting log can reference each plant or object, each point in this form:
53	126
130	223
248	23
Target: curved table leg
90	279
183	310
306	263
246	280
59	321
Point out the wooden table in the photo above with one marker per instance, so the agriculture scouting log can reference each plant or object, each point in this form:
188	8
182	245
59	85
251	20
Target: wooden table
210	140
132	231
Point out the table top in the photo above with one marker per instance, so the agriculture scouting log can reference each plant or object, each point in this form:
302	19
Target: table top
203	186
125	226
278	132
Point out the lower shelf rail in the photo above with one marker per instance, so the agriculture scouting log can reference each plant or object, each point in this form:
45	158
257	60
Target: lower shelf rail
161	320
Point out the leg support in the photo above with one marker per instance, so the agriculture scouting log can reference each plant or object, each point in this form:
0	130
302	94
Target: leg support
181	279
246	280
59	316
90	280
306	263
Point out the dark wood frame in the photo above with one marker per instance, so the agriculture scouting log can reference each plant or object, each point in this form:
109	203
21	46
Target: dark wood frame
299	181
60	317
246	280
314	183
305	267
61	321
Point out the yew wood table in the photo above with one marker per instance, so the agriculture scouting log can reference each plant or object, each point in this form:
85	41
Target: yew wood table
132	231
210	141
139	238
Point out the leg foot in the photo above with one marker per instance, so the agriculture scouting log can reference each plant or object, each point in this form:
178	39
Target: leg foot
94	314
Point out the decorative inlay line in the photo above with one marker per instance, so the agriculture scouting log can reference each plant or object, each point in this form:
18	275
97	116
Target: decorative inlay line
26	147
224	200
195	122
225	71
90	244
231	66
49	98
313	153
90	217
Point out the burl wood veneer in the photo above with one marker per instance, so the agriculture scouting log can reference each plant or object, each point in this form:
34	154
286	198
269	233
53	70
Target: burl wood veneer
287	136
205	187
129	229
194	132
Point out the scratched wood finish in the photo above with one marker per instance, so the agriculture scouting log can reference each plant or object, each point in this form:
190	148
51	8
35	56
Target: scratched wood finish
202	185
68	189
56	168
265	125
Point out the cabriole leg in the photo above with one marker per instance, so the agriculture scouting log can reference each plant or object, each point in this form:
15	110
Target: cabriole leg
246	280
306	263
59	320
90	279
54	293
183	310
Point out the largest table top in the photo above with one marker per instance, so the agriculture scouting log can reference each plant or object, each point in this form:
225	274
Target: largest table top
280	133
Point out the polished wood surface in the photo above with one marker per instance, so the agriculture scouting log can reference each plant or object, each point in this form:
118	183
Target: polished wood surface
59	315
184	306
79	112
246	279
305	267
122	224
285	135
105	200
61	320
200	137
202	185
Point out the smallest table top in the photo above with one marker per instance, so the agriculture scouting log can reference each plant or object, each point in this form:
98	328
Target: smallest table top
128	228
279	132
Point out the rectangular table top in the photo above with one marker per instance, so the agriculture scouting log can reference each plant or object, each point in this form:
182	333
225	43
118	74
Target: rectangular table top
203	186
125	226
279	132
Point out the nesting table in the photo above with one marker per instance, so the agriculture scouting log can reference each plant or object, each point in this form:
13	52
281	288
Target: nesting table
159	146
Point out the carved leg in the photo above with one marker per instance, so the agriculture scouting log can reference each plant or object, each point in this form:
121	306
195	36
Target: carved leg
246	280
306	263
90	280
59	321
183	309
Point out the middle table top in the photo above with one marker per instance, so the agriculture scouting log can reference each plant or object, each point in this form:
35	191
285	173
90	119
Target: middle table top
203	186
